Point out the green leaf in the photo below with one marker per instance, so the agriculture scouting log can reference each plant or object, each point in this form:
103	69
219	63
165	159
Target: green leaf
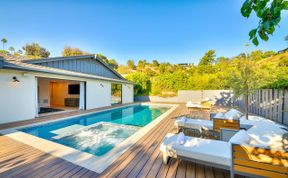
246	9
271	30
255	41
285	5
252	33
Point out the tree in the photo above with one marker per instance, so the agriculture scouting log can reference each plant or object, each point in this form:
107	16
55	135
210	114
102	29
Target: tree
70	51
103	58
112	63
142	83
131	64
269	13
11	49
141	64
245	79
34	50
4	40
257	55
286	39
208	58
155	63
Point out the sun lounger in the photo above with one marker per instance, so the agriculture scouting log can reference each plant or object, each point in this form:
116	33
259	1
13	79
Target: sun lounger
209	152
197	124
233	119
204	105
229	120
260	151
265	156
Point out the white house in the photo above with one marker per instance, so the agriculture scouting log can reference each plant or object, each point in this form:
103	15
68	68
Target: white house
29	88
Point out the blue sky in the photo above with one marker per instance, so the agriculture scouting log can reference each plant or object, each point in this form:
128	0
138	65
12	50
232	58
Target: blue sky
172	31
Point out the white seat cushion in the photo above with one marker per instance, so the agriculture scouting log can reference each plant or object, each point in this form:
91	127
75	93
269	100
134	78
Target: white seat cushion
233	114
241	137
257	120
194	124
268	136
212	151
219	115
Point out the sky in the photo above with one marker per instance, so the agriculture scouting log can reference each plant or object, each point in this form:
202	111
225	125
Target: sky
175	31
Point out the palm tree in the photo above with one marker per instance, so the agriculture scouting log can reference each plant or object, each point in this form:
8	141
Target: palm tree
4	40
11	49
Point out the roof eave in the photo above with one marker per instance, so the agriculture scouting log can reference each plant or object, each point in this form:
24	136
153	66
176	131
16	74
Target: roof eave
71	75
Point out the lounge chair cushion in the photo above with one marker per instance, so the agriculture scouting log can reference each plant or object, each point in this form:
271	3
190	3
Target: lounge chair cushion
241	137
194	124
219	115
191	104
212	151
258	120
268	136
233	114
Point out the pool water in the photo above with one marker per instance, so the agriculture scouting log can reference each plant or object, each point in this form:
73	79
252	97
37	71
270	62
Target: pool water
98	133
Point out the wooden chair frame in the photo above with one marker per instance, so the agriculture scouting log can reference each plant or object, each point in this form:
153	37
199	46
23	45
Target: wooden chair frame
259	162
231	124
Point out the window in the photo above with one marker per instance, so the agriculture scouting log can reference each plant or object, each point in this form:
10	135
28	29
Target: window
116	93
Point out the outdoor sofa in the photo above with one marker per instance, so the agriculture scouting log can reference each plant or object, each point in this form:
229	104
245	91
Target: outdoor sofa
261	150
233	119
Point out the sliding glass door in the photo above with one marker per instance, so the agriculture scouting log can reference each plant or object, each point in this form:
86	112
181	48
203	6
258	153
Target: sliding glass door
116	93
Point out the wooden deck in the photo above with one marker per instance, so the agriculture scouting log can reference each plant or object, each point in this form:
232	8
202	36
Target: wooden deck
143	159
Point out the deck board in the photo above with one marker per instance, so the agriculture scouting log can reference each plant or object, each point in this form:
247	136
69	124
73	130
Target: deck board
143	159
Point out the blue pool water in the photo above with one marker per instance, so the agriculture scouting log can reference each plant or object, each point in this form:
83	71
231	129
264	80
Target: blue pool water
100	132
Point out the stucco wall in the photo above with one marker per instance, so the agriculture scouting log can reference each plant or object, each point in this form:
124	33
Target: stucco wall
127	93
98	94
17	99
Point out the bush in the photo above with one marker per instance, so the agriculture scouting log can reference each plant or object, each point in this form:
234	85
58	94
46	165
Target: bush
142	83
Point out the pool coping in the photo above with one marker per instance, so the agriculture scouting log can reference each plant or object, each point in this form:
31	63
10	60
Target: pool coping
95	163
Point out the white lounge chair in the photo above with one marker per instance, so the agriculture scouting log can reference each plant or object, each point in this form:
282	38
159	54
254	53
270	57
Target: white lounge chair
205	104
191	104
232	114
209	152
214	153
219	154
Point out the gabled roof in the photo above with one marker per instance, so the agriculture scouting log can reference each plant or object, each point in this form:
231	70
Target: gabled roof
90	56
19	65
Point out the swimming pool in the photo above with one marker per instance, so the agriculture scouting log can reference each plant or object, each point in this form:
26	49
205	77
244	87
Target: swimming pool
100	132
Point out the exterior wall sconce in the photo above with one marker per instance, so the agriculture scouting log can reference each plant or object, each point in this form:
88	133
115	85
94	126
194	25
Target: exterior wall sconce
15	79
101	85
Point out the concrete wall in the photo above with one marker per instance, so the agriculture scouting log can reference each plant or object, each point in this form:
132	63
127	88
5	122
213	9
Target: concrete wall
98	94
127	93
17	99
219	97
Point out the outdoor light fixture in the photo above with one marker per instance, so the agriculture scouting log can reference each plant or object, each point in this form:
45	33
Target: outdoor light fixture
101	85
15	79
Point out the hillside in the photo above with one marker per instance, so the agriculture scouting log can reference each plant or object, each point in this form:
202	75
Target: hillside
166	79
